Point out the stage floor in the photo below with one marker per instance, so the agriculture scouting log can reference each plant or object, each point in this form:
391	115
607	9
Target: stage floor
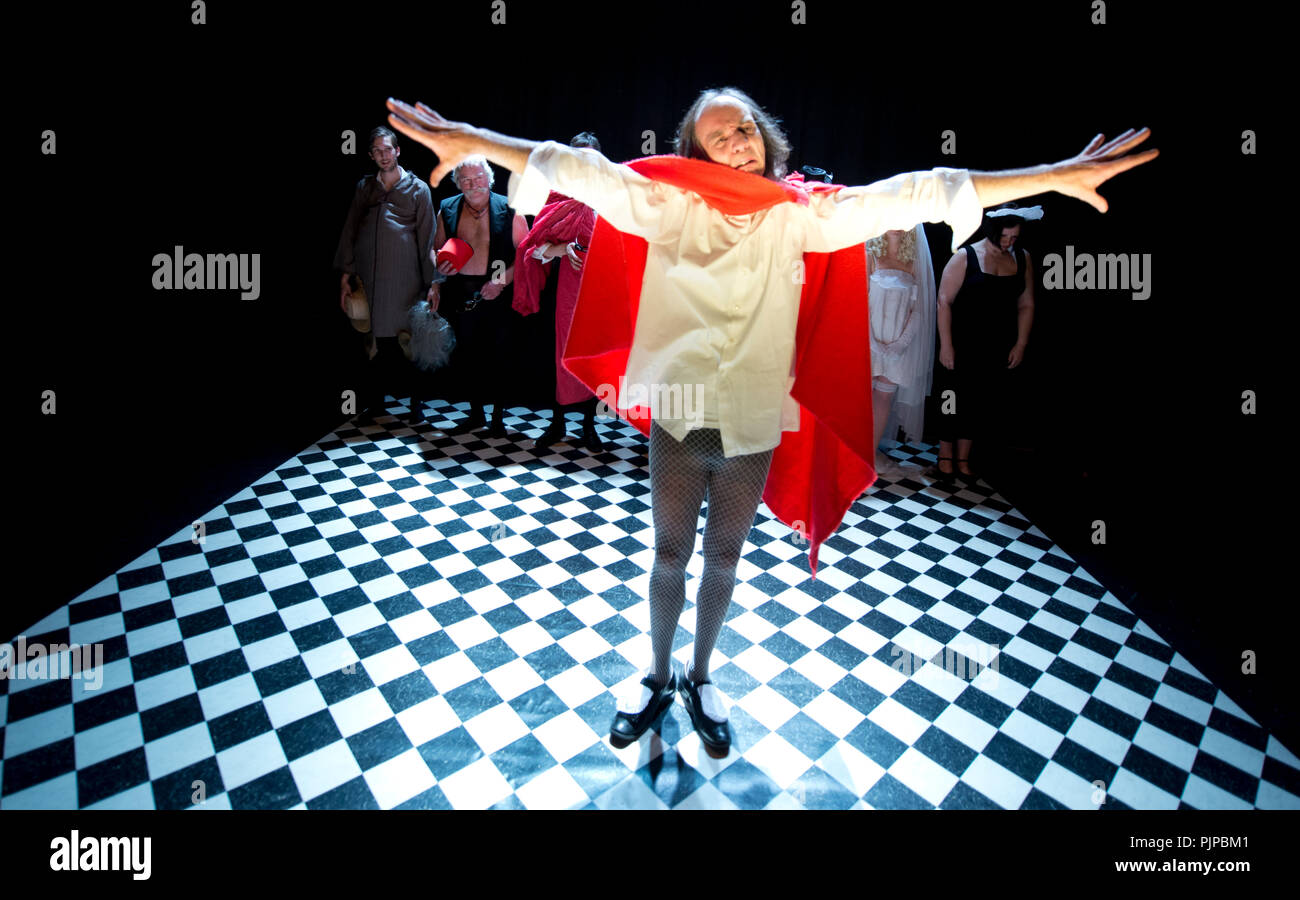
403	620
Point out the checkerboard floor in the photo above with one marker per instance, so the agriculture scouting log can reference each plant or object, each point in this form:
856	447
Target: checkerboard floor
417	620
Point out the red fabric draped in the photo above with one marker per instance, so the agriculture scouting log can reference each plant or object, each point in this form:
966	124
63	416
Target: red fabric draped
818	471
560	221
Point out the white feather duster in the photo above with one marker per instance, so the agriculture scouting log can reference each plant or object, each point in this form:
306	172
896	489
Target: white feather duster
432	339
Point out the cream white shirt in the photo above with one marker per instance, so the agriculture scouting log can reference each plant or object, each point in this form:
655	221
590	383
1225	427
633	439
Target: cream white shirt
715	330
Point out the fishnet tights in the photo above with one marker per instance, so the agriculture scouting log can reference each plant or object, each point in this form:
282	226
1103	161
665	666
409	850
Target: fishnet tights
682	475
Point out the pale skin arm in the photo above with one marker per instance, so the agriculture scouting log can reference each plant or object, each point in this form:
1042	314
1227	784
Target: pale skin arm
1077	177
569	251
1025	316
439	238
954	273
518	234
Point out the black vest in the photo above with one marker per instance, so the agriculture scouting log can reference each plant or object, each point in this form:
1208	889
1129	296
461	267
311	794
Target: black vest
501	243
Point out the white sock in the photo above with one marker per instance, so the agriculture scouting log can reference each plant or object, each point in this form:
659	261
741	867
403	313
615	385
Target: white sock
712	702
635	697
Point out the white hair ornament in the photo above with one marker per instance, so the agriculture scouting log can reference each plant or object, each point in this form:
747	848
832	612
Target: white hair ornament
1028	213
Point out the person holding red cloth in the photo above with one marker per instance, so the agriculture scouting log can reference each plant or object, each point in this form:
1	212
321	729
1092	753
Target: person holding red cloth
748	353
561	229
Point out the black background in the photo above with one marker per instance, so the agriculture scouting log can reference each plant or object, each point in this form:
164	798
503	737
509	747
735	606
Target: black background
226	138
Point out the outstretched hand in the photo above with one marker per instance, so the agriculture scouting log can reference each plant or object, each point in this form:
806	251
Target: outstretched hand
1099	162
445	138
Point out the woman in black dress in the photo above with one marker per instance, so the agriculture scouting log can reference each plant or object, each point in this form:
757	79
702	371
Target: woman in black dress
986	311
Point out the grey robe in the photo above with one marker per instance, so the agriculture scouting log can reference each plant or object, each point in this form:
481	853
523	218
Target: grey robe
385	242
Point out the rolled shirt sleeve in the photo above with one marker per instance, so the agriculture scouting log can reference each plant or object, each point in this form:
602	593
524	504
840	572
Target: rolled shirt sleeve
424	231
854	214
627	200
344	256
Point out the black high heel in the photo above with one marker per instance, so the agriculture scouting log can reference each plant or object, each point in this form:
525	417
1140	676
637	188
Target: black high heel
552	435
965	476
471	423
591	440
941	474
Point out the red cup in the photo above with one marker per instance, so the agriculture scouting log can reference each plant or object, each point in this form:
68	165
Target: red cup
456	252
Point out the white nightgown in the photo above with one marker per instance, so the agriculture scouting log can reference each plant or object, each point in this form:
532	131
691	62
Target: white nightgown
894	320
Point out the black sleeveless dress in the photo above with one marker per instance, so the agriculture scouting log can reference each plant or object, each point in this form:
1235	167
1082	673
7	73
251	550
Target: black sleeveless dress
985	326
535	346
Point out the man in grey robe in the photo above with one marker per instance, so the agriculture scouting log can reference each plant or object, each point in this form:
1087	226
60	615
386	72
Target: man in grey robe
385	243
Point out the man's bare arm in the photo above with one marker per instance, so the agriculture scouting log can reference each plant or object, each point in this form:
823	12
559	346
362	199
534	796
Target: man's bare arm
1078	177
453	141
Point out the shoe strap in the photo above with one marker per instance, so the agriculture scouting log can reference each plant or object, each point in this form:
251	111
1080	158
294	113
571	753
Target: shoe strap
711	702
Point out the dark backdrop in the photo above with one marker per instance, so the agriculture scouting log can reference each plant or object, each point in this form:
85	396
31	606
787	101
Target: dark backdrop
226	138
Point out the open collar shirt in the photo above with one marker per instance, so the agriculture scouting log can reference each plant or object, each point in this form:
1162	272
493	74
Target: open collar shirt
715	330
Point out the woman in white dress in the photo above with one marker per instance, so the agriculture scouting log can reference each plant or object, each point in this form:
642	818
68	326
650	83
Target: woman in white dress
902	307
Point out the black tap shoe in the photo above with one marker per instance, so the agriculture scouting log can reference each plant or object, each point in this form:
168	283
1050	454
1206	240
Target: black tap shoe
716	736
629	727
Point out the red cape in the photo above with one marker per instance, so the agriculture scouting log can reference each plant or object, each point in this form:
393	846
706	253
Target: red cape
818	471
561	220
